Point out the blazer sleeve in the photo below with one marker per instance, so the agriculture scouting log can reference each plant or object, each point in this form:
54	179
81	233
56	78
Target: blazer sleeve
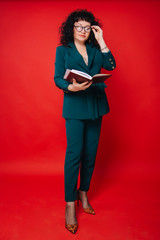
60	69
108	61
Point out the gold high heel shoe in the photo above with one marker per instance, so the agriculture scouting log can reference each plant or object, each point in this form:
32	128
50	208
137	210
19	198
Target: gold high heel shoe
89	210
71	227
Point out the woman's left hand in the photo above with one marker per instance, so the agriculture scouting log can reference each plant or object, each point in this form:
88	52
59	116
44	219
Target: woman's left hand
98	33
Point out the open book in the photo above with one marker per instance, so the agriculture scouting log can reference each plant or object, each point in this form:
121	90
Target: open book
83	77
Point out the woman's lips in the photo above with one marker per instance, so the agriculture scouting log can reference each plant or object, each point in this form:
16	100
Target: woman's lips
82	35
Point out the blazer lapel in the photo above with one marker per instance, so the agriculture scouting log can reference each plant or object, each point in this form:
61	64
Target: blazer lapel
78	57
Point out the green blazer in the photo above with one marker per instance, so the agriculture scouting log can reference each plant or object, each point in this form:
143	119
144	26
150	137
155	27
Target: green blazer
92	102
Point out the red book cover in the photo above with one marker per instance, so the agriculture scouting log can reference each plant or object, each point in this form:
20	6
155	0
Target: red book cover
83	77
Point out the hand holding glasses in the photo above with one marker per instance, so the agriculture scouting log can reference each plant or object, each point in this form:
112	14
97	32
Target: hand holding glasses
96	30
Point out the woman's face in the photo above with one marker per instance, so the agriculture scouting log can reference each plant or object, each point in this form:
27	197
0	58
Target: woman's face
82	35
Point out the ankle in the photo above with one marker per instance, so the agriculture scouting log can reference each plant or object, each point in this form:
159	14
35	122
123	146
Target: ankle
70	204
70	213
82	193
82	190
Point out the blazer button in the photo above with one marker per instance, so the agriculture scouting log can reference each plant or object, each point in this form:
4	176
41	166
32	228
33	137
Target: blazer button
110	59
113	67
111	62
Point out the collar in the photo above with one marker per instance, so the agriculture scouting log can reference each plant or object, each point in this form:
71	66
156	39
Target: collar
78	57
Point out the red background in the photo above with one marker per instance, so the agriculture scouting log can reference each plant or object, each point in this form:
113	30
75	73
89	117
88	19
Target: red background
32	133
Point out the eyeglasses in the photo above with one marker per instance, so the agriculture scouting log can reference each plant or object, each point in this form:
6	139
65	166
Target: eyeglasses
80	28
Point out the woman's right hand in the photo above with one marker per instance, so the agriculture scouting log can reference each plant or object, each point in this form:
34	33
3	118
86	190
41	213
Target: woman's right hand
75	86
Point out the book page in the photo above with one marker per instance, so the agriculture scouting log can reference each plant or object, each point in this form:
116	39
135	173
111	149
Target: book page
66	73
101	74
81	73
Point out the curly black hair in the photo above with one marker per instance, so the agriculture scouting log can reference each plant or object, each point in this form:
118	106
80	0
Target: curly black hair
66	28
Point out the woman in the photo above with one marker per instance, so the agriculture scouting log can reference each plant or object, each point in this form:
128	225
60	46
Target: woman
82	48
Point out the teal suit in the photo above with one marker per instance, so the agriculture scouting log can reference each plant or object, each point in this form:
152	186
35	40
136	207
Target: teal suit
92	102
83	111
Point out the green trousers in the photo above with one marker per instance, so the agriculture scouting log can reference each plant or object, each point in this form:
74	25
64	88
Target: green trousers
82	143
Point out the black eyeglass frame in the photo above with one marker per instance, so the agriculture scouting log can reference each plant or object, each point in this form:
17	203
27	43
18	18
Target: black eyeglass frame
84	28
